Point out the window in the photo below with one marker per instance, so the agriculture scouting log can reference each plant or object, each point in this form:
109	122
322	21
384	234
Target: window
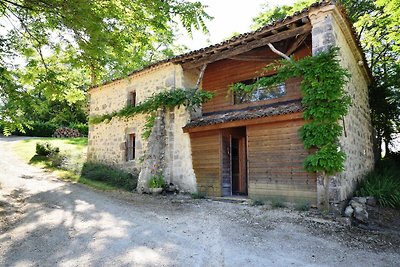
130	148
132	99
261	93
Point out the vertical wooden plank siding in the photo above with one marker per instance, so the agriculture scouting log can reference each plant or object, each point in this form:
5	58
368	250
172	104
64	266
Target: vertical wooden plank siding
221	74
206	157
226	165
275	163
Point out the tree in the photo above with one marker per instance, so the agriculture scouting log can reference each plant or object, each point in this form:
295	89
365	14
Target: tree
101	40
377	24
269	15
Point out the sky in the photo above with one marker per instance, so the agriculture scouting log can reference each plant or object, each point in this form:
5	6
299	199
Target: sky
229	16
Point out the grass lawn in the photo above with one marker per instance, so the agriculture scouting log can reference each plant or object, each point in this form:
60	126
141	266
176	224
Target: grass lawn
26	148
73	151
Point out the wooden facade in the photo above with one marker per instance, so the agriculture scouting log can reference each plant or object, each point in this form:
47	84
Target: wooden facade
206	156
221	74
275	162
261	157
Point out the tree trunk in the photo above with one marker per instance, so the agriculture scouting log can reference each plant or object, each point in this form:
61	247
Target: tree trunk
325	205
387	150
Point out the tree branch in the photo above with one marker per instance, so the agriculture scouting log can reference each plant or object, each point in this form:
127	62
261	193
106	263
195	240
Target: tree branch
38	47
17	5
276	51
201	76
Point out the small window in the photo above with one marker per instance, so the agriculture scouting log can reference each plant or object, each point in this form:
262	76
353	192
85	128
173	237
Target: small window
130	148
261	93
132	99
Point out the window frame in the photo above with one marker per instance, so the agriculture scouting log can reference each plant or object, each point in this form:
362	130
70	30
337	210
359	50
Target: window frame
131	98
131	147
252	81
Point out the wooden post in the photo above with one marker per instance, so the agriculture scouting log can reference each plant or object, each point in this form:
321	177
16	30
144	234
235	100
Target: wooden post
203	69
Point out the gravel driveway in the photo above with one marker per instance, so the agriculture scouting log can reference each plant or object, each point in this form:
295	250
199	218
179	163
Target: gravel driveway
48	222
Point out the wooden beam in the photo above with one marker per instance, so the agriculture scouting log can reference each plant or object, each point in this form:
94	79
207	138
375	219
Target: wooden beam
300	39
249	46
253	58
230	124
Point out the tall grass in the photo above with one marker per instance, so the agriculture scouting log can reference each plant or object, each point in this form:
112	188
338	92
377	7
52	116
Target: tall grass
383	183
110	175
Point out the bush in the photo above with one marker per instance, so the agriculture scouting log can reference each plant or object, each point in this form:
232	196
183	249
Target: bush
198	195
302	206
277	202
110	175
383	183
257	202
40	129
46	149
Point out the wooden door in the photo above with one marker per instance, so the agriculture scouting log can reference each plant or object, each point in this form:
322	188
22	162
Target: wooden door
226	166
238	163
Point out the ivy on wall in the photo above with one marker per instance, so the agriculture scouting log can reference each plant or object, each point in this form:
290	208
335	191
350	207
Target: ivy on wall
324	101
190	98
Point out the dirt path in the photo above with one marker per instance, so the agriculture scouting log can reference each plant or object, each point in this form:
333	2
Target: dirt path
47	222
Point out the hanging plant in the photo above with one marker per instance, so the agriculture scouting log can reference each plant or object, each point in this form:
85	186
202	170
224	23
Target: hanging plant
190	98
324	101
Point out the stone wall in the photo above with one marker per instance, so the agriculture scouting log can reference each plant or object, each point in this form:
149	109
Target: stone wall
167	150
331	29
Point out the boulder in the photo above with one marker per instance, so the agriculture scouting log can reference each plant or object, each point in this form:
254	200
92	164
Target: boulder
348	212
362	200
361	215
355	204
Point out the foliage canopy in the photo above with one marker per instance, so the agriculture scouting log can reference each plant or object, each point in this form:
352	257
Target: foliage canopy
52	50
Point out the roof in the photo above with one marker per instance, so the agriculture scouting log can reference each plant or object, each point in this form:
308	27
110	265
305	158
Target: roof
247	114
244	38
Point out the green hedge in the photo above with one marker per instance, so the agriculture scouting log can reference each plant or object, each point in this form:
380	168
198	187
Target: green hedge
39	129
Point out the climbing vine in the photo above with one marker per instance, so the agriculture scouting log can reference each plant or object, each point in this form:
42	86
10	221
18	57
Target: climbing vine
190	98
324	101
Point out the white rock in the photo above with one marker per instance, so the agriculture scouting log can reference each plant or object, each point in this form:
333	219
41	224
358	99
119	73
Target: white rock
348	212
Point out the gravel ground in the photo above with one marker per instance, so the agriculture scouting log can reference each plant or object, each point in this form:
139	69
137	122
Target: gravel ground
48	222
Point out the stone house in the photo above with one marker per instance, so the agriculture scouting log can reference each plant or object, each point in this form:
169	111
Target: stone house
231	145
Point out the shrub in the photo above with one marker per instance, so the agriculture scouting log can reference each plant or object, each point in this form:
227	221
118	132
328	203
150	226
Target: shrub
110	175
198	195
383	183
46	149
156	181
302	206
277	202
257	202
40	129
